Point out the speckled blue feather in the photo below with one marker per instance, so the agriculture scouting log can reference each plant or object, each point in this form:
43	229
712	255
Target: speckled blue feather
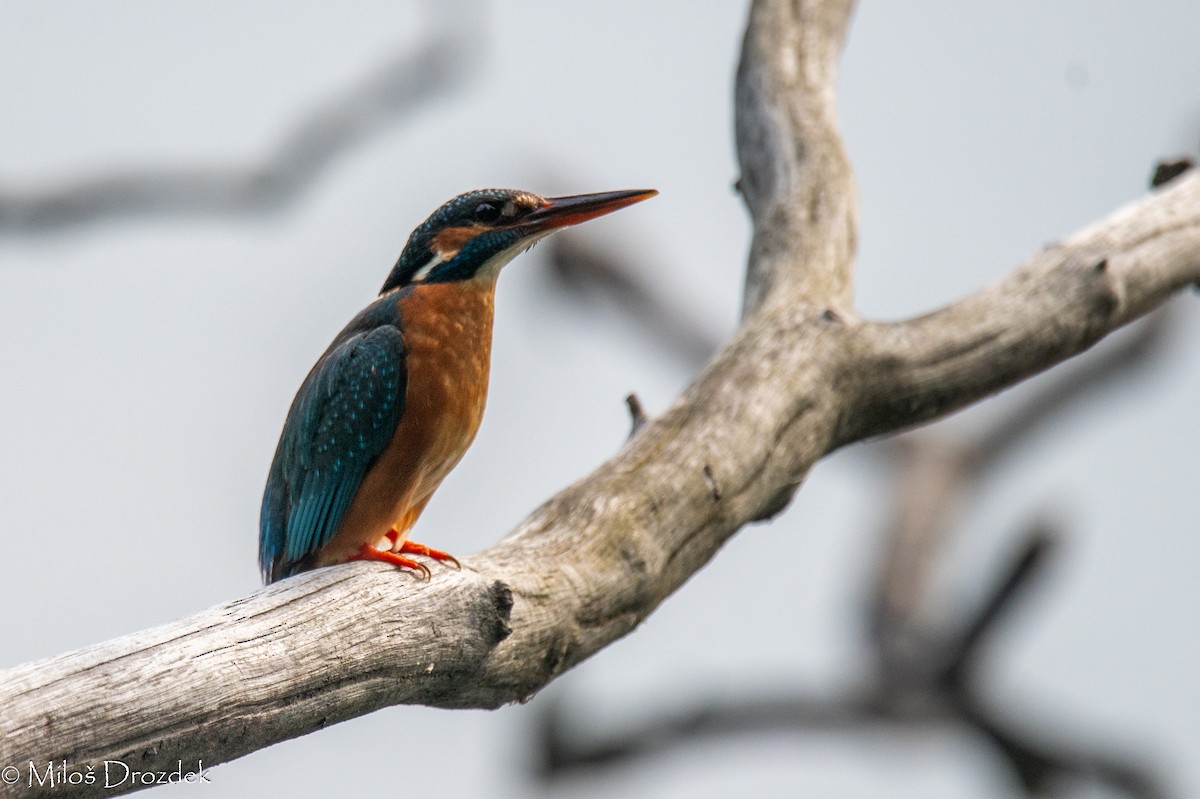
343	416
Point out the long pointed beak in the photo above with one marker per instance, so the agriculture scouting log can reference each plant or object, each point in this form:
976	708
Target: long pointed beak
562	211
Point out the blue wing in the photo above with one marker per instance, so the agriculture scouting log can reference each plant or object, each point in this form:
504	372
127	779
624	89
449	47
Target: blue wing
343	416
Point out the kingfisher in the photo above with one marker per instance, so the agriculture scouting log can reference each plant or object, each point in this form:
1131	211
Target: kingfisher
393	403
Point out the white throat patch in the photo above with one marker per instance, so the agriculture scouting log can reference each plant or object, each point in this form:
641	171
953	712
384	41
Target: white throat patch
424	271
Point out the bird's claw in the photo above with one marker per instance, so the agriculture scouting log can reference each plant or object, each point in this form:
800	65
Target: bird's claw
413	548
368	552
429	552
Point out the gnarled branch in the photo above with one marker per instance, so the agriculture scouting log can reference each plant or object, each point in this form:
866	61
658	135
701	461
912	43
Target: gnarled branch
802	377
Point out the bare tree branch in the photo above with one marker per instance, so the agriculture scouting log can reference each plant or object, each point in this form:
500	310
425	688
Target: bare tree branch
327	132
589	565
795	174
927	675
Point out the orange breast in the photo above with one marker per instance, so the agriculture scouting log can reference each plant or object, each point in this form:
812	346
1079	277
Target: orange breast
448	332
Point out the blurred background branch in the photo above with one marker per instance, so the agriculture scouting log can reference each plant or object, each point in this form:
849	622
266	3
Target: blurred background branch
586	274
332	128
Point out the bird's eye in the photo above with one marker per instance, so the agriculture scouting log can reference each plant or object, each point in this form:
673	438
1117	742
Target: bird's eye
487	212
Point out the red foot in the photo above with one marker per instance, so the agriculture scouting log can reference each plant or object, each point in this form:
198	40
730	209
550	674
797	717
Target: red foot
368	552
414	548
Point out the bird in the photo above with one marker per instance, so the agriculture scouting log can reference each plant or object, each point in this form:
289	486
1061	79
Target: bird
395	401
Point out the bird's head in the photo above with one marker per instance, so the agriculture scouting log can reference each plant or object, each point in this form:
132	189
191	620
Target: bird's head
478	232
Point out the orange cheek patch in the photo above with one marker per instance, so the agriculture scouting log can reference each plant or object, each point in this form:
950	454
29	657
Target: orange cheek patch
448	242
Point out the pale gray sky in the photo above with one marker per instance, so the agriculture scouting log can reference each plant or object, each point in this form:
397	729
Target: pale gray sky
148	365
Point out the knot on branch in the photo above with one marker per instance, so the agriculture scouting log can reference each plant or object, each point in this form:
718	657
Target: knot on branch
494	620
1104	299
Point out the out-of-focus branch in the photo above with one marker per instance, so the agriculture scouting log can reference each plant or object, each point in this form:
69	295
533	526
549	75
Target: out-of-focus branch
933	687
564	749
1045	767
965	647
328	131
584	272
